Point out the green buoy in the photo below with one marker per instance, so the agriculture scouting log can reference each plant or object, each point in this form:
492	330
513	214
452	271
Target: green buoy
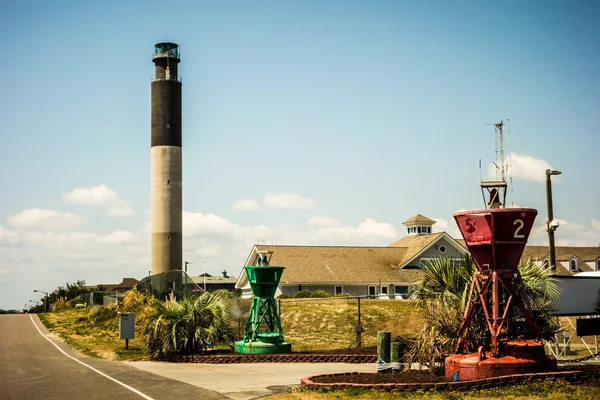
263	333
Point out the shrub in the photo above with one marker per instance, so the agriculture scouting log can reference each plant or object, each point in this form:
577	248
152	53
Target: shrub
226	294
62	304
187	326
136	301
139	303
285	296
99	314
320	294
303	294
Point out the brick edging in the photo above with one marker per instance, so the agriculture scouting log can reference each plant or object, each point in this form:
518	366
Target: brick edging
574	377
276	358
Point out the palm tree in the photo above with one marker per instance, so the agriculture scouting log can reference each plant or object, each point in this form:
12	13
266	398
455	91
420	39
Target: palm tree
442	293
187	326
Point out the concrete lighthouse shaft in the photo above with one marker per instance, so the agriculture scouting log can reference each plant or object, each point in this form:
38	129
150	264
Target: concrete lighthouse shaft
166	177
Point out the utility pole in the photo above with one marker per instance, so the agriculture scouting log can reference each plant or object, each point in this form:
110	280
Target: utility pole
45	299
551	224
186	264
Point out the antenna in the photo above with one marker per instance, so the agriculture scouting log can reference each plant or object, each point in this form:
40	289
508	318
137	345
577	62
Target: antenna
512	200
499	151
496	190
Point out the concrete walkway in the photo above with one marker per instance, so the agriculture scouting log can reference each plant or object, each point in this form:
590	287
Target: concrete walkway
245	381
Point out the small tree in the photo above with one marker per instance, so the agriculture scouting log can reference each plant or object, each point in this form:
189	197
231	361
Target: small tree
187	326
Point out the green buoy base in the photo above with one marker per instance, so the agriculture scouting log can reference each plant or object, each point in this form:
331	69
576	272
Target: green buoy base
259	347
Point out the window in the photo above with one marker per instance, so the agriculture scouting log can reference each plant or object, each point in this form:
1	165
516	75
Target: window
598	264
573	265
384	290
401	289
371	290
401	292
442	249
546	263
339	290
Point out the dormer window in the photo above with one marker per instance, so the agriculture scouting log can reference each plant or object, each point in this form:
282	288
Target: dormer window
598	264
546	263
573	265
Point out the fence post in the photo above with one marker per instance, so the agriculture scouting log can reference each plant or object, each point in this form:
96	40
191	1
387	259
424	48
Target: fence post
358	329
358	311
279	310
239	317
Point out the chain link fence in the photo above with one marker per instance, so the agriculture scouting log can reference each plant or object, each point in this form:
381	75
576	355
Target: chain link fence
344	325
350	325
568	347
103	298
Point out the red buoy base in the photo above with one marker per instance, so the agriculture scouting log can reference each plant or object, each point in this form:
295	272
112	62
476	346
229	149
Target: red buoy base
478	366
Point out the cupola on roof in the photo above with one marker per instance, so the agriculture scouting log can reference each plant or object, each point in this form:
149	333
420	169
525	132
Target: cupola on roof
419	224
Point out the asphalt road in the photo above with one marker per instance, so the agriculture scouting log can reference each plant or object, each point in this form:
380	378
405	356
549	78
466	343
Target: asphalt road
31	368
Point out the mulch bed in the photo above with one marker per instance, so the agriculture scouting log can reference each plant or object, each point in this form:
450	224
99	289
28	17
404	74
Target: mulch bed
412	376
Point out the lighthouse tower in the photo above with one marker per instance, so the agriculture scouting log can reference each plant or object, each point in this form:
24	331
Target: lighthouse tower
166	177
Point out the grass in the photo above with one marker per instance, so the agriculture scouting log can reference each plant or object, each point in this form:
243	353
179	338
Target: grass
94	334
328	324
310	325
321	325
549	389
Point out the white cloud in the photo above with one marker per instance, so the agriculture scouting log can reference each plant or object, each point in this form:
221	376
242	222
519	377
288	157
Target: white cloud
94	196
246	205
100	195
117	237
120	211
567	234
526	168
289	201
199	223
369	230
318	222
370	227
37	218
8	238
75	240
448	226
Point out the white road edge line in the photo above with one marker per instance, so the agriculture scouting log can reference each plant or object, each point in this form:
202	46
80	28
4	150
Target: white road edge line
90	367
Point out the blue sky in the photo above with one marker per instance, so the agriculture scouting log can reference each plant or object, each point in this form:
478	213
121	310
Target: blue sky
303	123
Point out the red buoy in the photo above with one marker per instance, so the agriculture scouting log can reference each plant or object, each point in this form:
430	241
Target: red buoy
496	239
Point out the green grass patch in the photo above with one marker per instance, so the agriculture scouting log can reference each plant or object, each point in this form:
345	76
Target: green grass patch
549	389
328	324
94	333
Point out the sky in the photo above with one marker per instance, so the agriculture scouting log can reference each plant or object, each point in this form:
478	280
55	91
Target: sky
304	122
